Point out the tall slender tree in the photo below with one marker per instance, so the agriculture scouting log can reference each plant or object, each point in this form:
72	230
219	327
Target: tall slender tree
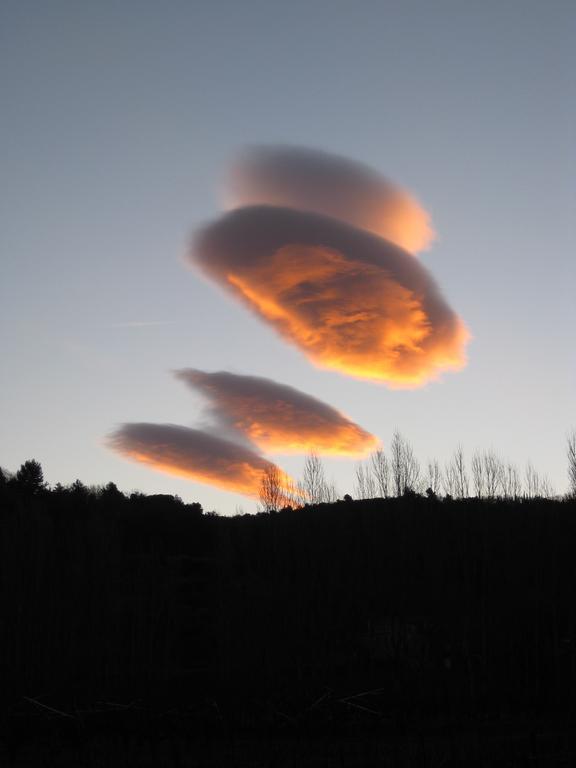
478	477
571	454
433	476
380	470
315	488
405	467
271	495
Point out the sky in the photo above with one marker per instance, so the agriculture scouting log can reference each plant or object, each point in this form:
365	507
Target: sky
119	124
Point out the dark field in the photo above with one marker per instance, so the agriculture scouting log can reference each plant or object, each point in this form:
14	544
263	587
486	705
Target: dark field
392	632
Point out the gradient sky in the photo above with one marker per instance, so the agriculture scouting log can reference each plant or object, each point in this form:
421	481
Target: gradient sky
119	119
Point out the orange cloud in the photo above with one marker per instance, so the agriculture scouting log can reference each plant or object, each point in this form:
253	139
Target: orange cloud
351	301
315	181
194	455
276	417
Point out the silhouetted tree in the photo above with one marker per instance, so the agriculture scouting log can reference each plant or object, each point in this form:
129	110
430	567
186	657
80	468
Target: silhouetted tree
30	477
405	468
331	492
478	477
397	462
460	473
511	485
314	484
365	486
537	485
380	469
533	482
78	489
571	453
271	495
449	480
110	492
195	508
546	489
433	479
493	473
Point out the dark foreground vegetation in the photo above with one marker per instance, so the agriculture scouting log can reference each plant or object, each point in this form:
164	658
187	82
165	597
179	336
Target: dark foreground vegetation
409	631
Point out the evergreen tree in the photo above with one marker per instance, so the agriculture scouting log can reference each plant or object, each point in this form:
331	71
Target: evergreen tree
30	477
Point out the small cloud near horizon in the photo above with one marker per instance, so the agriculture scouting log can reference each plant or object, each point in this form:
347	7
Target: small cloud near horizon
194	455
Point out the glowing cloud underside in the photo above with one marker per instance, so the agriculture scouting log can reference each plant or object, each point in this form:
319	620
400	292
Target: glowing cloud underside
276	417
353	302
193	455
306	179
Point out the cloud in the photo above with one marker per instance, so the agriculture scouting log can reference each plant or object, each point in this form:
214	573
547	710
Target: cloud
194	455
276	417
307	179
353	302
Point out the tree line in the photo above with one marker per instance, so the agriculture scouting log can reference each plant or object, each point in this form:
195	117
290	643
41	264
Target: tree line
126	611
410	606
381	475
486	476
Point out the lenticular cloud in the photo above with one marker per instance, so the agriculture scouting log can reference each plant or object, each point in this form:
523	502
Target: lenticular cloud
352	301
322	248
194	455
310	180
276	417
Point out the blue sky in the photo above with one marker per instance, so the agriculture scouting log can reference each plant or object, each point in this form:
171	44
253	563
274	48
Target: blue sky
119	119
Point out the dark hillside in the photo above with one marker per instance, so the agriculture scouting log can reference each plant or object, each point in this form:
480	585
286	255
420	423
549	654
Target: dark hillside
353	615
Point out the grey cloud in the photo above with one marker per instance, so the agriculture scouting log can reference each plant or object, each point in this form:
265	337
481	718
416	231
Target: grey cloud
307	179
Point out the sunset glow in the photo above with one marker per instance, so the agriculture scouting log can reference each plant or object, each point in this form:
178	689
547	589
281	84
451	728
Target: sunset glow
278	418
194	455
351	301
